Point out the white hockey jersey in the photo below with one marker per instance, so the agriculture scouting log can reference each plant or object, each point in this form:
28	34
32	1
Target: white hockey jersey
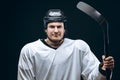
70	61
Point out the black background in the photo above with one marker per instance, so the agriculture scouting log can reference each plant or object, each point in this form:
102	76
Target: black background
21	23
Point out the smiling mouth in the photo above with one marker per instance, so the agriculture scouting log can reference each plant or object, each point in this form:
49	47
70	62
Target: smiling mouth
56	35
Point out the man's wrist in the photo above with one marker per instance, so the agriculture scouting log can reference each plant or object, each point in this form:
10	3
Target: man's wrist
102	71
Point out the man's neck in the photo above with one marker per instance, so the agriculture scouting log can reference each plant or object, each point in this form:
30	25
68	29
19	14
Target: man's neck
54	44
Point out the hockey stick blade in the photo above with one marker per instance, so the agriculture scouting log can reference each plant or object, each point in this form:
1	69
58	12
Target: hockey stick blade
93	13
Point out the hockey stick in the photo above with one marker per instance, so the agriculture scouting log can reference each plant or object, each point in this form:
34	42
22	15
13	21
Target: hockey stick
93	13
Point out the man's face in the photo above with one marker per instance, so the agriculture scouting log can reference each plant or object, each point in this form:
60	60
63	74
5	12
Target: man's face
55	31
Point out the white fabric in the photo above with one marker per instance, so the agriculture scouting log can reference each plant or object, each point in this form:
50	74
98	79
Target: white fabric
71	60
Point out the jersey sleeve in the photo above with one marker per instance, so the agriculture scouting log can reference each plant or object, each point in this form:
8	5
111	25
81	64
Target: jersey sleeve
90	64
25	66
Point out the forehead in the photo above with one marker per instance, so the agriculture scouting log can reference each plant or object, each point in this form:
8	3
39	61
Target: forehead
55	23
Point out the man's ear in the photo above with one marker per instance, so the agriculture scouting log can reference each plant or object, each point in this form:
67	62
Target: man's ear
64	31
45	31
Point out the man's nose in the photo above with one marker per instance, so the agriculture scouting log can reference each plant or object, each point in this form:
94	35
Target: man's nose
56	29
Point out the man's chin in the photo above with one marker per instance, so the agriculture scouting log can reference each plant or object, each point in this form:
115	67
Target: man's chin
55	40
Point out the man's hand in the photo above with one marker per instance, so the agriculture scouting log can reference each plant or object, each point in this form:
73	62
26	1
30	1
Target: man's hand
108	62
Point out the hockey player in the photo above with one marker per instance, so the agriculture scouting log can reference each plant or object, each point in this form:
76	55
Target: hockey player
60	58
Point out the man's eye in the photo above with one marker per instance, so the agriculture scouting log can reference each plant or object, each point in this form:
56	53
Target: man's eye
59	26
51	26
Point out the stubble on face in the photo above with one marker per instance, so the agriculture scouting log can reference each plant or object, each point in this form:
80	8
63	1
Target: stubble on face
55	33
